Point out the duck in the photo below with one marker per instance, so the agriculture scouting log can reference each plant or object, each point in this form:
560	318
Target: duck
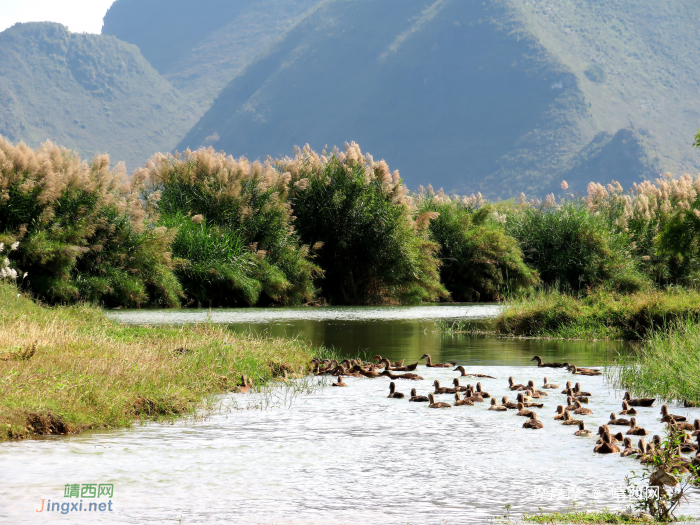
582	430
687	447
429	363
568	390
389	367
628	450
463	373
670	418
433	404
474	396
635	430
606	447
513	386
614	438
614	420
508	404
578	392
442	389
691	404
342	371
340	382
371	373
584	371
541	364
559	413
458	387
681	425
379	359
645	451
570	401
568	420
485	395
643	402
531	386
533	422
547	384
523	412
627	410
245	385
462	402
410	376
696	425
496	406
580	410
533	394
393	393
521	400
415	398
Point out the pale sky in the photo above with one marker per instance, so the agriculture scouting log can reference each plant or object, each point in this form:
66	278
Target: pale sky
81	16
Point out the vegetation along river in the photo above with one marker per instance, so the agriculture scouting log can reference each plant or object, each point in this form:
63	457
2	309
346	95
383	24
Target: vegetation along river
347	455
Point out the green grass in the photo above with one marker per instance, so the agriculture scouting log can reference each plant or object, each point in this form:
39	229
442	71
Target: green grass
586	517
88	372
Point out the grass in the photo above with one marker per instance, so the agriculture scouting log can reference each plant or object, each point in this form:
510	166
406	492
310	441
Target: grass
666	365
599	315
585	517
69	369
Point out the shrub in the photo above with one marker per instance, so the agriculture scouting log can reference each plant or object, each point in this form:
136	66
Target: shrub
236	242
573	248
480	261
359	216
82	229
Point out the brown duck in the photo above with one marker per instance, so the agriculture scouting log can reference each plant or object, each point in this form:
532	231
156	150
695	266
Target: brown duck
416	398
442	389
371	373
642	402
568	390
533	422
393	393
244	386
508	404
580	410
390	367
474	396
670	418
584	371
547	384
635	430
606	447
627	410
483	394
541	364
568	420
523	412
379	359
513	386
463	373
429	363
496	406
521	400
457	386
578	392
629	450
691	404
531	386
559	414
614	420
410	376
462	402
582	430
340	382
433	404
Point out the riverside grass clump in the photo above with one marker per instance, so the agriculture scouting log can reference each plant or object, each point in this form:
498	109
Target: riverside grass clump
68	369
479	260
236	243
81	230
359	217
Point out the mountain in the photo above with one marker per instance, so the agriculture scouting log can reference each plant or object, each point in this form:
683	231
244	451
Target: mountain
91	93
201	46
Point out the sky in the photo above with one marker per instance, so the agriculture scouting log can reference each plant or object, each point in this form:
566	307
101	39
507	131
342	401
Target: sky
81	16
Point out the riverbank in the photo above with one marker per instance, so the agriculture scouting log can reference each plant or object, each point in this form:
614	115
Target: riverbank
70	369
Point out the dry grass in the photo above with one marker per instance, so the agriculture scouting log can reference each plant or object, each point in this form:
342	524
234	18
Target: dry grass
88	372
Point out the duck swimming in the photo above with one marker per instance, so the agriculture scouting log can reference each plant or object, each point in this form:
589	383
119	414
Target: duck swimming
580	410
508	404
629	450
410	376
496	406
614	420
547	384
442	389
568	420
433	404
483	394
521	400
606	447
578	392
568	390
582	430
340	382
533	422
643	402
627	410
531	386
560	413
457	386
463	373
584	371
475	397
389	367
635	430
429	363
670	418
245	385
462	402
513	386
523	412
379	359
416	398
393	393
540	364
682	425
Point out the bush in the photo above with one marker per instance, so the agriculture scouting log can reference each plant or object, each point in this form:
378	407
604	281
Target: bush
236	243
574	248
480	261
358	215
82	230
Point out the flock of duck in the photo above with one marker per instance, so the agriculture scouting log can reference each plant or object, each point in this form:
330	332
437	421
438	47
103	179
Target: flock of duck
526	399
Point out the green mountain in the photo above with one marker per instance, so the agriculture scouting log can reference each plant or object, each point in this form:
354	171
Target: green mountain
201	46
91	93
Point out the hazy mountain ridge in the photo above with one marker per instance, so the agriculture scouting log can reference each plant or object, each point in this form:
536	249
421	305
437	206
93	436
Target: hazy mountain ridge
91	93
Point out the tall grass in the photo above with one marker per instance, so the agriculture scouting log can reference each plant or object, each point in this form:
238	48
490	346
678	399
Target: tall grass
480	260
667	365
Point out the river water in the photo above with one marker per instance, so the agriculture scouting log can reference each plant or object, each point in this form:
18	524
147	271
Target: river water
343	455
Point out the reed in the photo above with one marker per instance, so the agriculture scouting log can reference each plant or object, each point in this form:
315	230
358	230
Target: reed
83	371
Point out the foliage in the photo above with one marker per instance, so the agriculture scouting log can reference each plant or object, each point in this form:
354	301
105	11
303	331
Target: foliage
358	215
573	248
236	239
83	233
480	261
583	517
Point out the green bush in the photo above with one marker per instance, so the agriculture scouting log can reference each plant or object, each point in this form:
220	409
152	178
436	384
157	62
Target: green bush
574	248
480	260
358	216
83	232
236	243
